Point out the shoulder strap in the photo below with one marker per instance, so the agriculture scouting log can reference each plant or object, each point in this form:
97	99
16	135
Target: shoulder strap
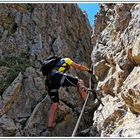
59	64
67	67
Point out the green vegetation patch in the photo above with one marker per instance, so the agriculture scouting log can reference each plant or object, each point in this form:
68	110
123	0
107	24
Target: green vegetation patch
3	86
16	65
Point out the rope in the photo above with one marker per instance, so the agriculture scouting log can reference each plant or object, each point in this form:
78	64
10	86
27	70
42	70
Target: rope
77	124
71	82
79	119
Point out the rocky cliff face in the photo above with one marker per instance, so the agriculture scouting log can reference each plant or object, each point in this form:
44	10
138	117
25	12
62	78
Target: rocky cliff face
116	42
29	32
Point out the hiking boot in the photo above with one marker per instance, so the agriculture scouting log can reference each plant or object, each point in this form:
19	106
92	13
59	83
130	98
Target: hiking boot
91	106
77	110
47	132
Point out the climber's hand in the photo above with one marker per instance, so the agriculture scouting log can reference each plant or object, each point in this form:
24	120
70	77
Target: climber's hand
90	71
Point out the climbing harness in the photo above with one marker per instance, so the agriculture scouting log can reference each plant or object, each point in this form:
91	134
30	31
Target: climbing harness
90	91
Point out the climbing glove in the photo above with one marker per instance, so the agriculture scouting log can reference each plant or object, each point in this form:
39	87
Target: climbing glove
90	71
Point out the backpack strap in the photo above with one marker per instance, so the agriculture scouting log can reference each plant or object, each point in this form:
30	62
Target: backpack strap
67	67
59	64
62	79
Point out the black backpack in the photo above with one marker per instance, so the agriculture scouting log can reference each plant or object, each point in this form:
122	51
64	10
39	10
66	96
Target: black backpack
49	64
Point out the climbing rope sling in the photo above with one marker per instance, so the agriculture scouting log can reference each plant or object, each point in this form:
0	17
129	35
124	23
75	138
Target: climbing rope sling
90	91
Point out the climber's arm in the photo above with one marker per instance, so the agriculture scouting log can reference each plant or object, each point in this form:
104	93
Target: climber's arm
79	66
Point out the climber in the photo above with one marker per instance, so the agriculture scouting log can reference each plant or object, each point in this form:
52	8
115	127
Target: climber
58	78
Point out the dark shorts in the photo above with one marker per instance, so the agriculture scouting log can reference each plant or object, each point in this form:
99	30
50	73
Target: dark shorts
53	84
